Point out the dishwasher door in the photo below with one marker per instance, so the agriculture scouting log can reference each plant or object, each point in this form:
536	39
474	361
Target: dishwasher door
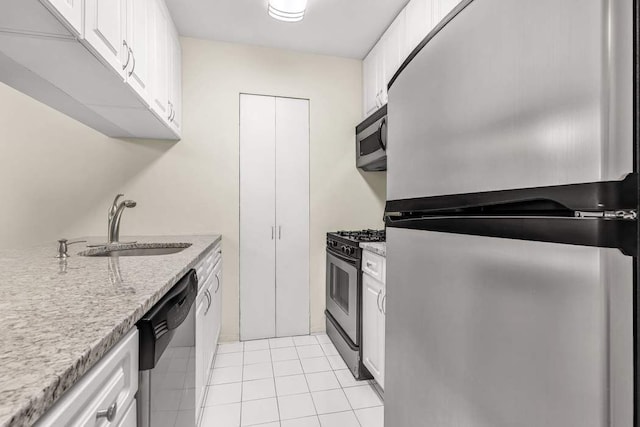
167	359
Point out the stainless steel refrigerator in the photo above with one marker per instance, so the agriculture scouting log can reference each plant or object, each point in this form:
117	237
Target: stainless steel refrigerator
512	236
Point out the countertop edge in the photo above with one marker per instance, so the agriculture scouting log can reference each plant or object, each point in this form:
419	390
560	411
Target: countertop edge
37	406
379	248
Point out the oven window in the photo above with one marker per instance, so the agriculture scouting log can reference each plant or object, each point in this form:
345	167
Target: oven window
340	287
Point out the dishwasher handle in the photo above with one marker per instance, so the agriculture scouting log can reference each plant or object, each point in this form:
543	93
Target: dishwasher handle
156	328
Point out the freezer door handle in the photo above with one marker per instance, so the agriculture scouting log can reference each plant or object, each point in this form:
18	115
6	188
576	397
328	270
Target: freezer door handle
590	196
599	232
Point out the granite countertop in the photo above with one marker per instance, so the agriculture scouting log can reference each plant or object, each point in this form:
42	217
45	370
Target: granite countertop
379	248
59	317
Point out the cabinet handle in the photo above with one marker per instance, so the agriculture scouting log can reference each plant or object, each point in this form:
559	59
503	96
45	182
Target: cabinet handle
173	113
217	287
109	413
279	232
384	304
370	265
133	56
378	300
126	64
208	295
170	110
273	232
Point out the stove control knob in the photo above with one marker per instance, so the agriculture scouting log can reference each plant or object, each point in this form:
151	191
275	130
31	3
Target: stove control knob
334	244
343	248
351	251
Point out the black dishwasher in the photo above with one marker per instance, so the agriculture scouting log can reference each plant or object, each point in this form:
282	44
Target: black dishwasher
166	391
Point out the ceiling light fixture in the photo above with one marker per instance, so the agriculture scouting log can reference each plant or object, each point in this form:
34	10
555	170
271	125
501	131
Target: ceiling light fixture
287	10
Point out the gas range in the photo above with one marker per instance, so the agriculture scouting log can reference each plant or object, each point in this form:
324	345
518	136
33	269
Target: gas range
344	295
348	242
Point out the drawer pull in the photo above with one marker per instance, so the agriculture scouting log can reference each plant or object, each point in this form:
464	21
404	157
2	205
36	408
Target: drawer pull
109	413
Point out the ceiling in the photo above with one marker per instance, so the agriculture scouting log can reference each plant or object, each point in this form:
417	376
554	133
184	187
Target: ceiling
347	28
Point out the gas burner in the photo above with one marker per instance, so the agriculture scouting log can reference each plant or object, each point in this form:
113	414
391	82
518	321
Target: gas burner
363	235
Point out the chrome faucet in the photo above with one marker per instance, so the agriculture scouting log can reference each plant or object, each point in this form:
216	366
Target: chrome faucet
115	213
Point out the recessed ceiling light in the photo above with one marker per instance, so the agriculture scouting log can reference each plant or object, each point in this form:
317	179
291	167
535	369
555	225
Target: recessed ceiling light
287	10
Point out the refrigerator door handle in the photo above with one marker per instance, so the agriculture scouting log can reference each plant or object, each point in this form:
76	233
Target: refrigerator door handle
590	196
599	231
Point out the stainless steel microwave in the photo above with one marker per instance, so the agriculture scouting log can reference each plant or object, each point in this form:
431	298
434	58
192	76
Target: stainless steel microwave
371	142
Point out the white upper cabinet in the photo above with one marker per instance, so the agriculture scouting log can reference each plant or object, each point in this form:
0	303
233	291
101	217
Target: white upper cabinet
404	34
441	9
159	61
137	44
175	81
105	22
70	11
394	42
419	19
372	80
121	68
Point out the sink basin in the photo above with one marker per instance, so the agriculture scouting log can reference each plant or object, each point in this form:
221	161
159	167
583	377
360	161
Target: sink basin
136	249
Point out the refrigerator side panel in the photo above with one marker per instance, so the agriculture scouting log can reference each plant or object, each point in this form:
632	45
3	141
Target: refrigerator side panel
510	94
488	332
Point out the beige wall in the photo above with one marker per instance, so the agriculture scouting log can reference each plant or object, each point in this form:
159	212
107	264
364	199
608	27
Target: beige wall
57	177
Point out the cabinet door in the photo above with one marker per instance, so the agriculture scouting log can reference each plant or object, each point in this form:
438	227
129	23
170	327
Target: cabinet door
381	335
175	80
70	11
394	48
369	84
209	327
257	217
419	17
381	76
159	60
441	8
201	305
292	216
217	304
105	30
130	417
372	295
137	40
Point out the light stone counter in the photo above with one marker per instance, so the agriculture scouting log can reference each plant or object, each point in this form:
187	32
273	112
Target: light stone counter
58	318
379	248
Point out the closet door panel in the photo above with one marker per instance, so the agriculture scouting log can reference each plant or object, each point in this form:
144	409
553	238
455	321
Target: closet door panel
292	216
257	217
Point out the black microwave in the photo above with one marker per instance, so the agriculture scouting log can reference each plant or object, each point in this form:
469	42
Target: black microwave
371	142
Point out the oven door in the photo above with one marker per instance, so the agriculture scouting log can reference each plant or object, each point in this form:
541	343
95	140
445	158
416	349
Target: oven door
342	292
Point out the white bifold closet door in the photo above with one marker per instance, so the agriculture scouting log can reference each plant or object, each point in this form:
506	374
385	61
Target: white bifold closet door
274	217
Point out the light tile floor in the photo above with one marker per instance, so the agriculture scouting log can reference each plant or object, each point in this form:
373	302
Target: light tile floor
288	382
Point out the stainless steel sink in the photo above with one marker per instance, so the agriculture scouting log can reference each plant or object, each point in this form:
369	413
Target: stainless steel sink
136	249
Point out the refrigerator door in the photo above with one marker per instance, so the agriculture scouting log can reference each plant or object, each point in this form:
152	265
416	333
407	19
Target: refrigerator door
492	332
515	94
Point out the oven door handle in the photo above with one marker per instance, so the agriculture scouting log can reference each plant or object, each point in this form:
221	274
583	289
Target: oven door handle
350	261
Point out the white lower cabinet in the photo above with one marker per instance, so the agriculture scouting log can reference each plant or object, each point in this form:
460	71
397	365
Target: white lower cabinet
130	418
373	324
104	396
208	319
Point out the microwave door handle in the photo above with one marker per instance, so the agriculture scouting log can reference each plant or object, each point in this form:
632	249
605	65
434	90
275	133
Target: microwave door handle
383	124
